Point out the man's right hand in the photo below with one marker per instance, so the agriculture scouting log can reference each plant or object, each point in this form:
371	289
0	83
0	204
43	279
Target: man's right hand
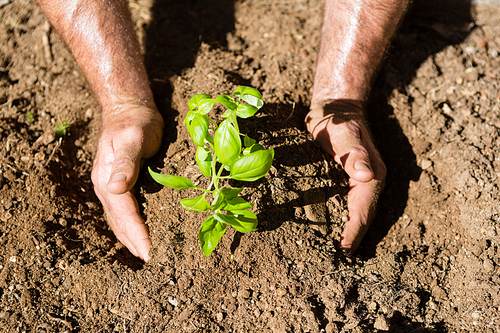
341	131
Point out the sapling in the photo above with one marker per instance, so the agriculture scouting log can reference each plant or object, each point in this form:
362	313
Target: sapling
220	155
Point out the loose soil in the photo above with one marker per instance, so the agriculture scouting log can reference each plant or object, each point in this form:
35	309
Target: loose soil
430	262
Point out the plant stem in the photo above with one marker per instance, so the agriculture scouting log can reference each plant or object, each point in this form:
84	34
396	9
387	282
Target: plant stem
203	190
235	122
217	177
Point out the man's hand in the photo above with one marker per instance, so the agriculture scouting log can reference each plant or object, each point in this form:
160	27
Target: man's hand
129	136
341	131
101	36
354	37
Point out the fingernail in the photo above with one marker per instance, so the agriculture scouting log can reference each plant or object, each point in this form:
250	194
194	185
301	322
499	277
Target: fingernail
340	246
146	258
119	177
361	166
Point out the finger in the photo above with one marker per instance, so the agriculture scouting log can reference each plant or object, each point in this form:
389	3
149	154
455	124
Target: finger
123	216
126	166
361	204
346	142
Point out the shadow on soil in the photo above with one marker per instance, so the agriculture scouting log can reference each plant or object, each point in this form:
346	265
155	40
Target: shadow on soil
173	38
424	32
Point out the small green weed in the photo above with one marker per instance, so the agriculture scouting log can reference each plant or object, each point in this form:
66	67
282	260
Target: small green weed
30	118
62	129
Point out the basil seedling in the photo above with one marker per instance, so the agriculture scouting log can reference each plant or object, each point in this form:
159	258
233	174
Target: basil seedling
221	154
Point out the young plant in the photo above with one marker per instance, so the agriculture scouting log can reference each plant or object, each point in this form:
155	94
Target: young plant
30	118
221	154
61	129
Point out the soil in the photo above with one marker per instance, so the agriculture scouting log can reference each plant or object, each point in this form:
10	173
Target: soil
430	262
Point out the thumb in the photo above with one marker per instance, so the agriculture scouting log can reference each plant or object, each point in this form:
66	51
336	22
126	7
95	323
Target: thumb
125	169
356	163
349	144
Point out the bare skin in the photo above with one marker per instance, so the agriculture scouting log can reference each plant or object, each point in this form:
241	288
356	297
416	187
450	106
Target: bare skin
354	38
100	35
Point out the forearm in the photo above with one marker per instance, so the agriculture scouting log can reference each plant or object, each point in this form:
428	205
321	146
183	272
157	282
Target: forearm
354	37
101	37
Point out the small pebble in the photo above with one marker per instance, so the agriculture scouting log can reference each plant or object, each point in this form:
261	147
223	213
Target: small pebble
471	74
173	301
372	306
446	109
476	315
381	324
63	222
488	265
244	293
63	264
470	49
281	292
89	113
426	164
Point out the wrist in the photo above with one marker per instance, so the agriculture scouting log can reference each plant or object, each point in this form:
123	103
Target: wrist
125	110
343	108
335	110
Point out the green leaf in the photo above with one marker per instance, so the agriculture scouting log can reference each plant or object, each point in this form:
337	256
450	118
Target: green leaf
210	139
250	95
253	101
227	101
204	161
175	182
231	192
247	219
227	114
236	203
248	142
227	199
244	90
197	204
189	116
252	166
204	106
210	233
234	222
227	143
218	200
252	149
246	110
194	102
198	129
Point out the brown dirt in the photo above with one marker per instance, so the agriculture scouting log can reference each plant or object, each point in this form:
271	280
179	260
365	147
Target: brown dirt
430	262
